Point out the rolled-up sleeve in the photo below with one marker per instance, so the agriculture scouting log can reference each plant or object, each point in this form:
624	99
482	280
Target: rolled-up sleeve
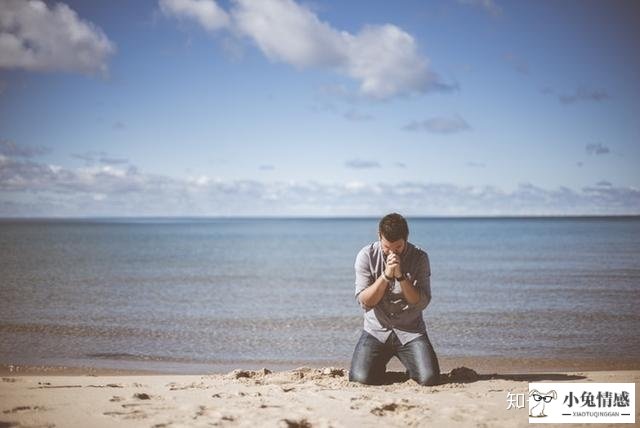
364	276
422	281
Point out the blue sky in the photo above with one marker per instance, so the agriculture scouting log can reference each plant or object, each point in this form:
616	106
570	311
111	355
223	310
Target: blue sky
319	108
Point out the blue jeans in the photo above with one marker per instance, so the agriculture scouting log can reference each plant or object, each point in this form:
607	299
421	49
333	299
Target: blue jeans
370	359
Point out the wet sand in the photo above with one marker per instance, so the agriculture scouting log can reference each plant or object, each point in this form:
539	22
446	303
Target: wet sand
480	364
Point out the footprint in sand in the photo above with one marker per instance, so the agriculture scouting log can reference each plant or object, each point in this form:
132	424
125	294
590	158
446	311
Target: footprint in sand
109	385
357	402
249	374
211	414
133	414
391	408
177	387
202	411
142	396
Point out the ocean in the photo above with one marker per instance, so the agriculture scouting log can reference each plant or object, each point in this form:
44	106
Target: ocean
188	294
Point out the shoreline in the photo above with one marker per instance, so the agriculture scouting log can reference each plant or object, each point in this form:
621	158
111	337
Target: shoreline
481	365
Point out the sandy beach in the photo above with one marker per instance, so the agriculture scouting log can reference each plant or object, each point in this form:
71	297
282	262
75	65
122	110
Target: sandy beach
302	397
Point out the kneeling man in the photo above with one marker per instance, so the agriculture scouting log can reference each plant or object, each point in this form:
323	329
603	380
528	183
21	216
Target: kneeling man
393	287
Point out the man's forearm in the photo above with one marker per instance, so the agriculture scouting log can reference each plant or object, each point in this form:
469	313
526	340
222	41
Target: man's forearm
411	293
371	295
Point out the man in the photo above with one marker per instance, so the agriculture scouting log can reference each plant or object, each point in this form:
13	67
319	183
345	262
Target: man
393	287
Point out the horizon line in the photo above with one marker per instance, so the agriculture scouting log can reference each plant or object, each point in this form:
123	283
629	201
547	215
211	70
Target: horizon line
314	217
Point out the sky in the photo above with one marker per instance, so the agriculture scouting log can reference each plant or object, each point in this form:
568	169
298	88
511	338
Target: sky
319	108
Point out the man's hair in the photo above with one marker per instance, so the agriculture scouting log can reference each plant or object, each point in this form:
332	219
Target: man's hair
393	227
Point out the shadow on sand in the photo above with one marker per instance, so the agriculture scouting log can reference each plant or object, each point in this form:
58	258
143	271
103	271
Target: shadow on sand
467	375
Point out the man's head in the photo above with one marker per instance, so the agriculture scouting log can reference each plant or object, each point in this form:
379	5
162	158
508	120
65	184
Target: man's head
393	232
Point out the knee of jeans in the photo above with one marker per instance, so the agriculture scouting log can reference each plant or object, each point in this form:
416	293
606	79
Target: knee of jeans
428	379
360	377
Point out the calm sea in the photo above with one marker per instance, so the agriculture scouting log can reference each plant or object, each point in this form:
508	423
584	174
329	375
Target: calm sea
183	294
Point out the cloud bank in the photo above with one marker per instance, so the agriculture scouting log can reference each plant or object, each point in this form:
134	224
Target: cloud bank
383	59
38	38
32	188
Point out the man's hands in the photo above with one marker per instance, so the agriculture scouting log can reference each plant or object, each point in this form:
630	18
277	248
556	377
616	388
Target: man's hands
393	269
370	296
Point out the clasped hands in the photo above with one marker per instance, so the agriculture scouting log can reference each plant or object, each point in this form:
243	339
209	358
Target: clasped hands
393	269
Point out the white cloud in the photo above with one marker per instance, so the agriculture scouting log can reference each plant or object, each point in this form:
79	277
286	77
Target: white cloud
439	125
584	94
199	181
355	186
472	164
38	38
386	61
361	164
287	32
597	149
489	6
519	64
383	59
581	94
206	12
356	116
10	148
93	157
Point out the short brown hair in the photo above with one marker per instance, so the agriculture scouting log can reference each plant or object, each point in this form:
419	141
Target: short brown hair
393	227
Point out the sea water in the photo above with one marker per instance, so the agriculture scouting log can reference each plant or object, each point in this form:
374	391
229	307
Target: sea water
180	293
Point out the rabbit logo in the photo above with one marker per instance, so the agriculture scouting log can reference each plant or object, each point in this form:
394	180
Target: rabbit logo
540	399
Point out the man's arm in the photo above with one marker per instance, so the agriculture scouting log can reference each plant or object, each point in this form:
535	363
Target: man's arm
422	283
410	293
368	291
370	296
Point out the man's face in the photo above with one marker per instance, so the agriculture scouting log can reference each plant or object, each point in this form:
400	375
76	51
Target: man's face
396	247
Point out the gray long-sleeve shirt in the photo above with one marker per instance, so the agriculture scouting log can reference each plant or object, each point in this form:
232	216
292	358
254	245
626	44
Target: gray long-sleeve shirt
393	312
